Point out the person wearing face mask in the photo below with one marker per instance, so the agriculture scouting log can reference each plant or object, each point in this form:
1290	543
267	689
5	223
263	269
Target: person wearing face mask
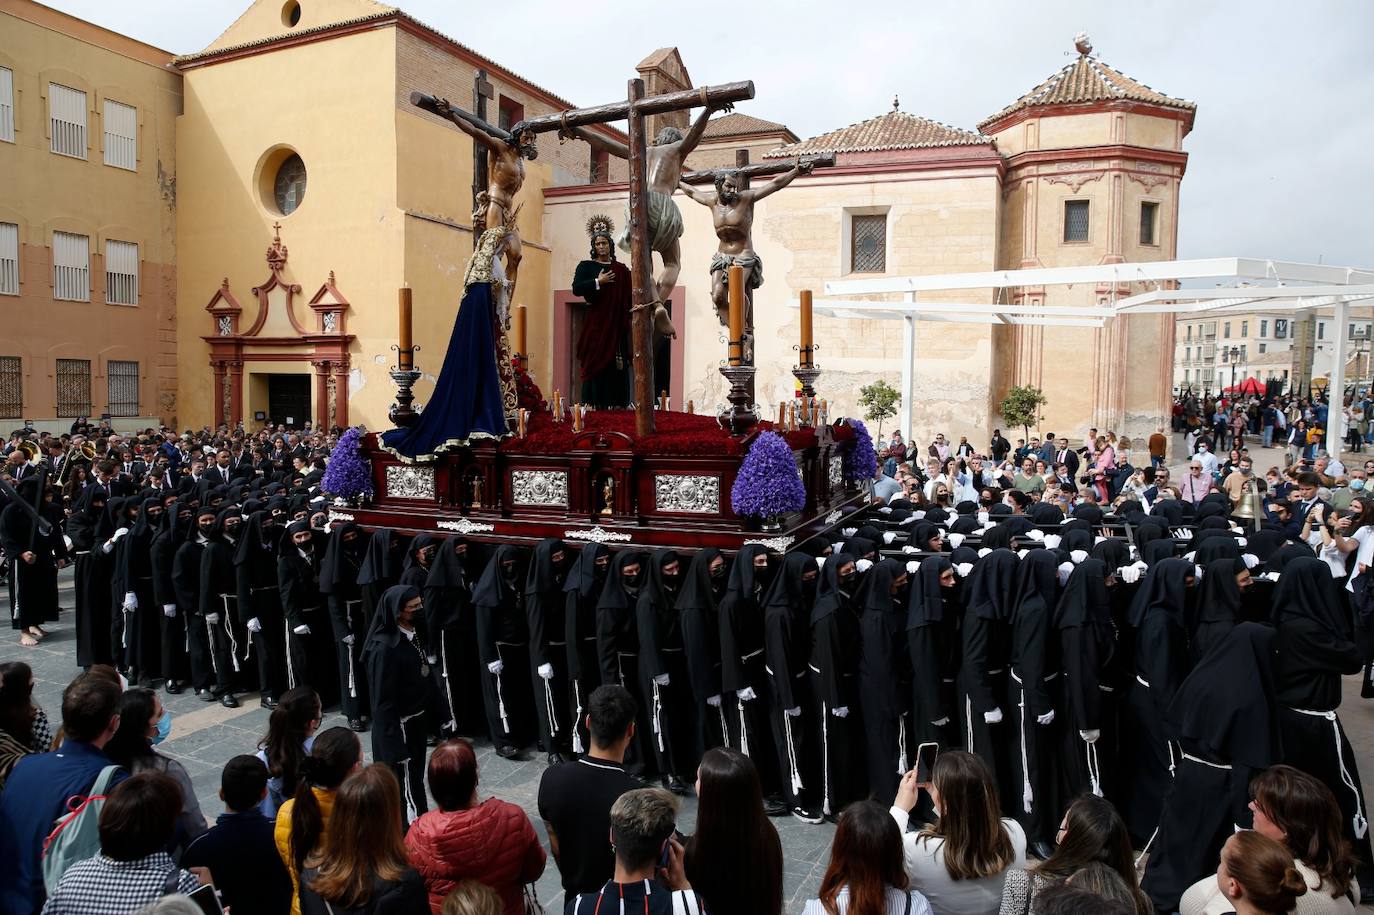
544	614
743	680
985	632
503	647
309	655
450	627
142	632
343	557
1224	583
932	644
186	568
884	674
697	603
663	670
834	666
219	603
92	594
176	523
617	645
787	642
259	602
402	692
143	724
581	591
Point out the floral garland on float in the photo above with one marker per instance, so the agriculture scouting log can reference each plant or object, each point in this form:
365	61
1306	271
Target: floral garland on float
347	473
768	485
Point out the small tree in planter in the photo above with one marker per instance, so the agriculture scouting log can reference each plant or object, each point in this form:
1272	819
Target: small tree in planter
879	401
1021	407
348	475
768	484
860	462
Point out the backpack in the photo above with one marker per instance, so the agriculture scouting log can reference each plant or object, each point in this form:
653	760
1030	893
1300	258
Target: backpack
76	836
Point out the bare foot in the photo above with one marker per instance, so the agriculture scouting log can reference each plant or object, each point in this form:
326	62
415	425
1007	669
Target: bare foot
28	641
663	324
37	632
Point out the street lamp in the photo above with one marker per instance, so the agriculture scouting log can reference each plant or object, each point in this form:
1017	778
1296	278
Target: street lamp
1235	354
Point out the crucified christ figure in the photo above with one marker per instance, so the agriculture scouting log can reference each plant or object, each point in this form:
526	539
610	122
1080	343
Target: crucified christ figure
732	211
664	167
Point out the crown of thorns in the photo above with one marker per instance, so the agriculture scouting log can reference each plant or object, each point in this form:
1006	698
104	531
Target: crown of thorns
600	225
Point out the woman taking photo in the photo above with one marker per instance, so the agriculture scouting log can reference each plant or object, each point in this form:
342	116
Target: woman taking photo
362	868
865	875
1257	876
960	861
734	860
302	820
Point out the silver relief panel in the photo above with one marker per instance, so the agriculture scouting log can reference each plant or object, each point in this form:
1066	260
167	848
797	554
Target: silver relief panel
406	482
674	492
836	473
539	487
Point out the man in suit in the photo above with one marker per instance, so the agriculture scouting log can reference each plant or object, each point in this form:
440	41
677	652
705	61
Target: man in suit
131	467
221	473
1306	496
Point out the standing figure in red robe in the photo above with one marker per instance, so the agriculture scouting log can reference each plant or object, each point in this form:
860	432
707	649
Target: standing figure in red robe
603	345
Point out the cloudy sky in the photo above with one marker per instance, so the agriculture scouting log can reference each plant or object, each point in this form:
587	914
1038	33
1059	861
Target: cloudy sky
1278	156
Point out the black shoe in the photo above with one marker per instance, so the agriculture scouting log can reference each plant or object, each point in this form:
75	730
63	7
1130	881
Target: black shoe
676	785
173	687
506	751
431	740
556	759
1042	849
267	702
206	695
830	818
228	701
807	816
774	807
357	725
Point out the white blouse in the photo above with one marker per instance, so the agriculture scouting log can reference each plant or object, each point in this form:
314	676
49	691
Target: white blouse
925	865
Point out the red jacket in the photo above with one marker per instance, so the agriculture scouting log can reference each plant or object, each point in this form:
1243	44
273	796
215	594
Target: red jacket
492	843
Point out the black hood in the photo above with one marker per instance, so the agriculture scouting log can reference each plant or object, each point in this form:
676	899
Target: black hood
926	604
543	576
383	630
1164	589
829	597
1085	601
493	588
582	577
1306	590
1227	706
613	595
992	586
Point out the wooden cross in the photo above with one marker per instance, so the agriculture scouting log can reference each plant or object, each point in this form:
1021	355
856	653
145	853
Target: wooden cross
482	90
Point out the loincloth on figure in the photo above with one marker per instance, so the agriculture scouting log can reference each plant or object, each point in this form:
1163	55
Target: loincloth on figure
752	264
665	223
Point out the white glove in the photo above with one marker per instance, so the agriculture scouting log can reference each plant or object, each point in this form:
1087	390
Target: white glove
885	510
965	569
1251	560
1270	576
849	531
713	701
919	515
983	517
169	609
349	639
1198	571
255	625
1183	534
955	540
212	619
909	549
909	520
107	547
841	712
302	629
1036	534
942	722
983	551
1078	556
546	671
792	712
863	565
660	680
1090	736
912	566
119	533
993	717
1052	541
1190	555
1241	541
747	694
130	601
1046	718
1022	554
432	658
889	537
1129	574
496	667
1064	571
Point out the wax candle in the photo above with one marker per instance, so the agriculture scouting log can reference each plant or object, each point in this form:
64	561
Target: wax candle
736	345
792	417
518	332
782	414
405	337
691	406
806	330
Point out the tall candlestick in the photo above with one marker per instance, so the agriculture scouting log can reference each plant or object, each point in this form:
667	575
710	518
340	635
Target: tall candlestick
691	406
517	326
520	421
736	344
405	337
792	417
782	414
807	343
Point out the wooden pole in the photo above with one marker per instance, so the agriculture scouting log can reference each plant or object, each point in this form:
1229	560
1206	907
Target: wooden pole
759	169
481	91
641	262
615	111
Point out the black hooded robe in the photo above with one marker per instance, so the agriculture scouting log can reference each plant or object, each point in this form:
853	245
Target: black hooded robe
143	632
697	609
544	613
503	643
1092	677
306	628
834	667
348	623
884	678
617	647
451	623
985	634
219	598
259	603
186	566
581	591
33	585
176	663
742	666
92	594
787	648
663	668
932	641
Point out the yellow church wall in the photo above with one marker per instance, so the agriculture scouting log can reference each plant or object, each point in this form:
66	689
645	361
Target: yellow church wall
330	101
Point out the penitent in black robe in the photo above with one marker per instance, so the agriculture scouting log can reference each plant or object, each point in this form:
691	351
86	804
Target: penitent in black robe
544	611
787	645
33	586
503	636
834	666
92	578
581	591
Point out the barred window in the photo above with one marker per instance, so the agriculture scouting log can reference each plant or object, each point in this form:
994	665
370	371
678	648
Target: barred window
71	265
121	272
9	258
1149	213
73	387
6	104
11	386
1075	220
868	244
121	135
67	120
123	384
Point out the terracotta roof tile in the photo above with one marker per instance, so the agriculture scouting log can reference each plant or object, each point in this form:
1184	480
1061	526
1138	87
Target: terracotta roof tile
735	124
1088	79
893	130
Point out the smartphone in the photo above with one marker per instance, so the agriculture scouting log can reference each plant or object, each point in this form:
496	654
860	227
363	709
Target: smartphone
925	762
208	900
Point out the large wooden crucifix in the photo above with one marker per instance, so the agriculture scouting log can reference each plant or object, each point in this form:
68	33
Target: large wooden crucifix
634	110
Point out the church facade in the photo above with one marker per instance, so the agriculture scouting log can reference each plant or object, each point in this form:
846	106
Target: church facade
308	190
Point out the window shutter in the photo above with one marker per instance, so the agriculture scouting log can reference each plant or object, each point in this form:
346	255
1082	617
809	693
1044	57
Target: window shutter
122	379
121	272
9	258
11	386
67	108
71	258
121	135
6	104
1075	220
73	387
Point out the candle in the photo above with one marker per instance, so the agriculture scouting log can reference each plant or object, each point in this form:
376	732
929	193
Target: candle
663	400
792	417
405	340
806	334
691	406
736	346
520	416
805	412
518	332
577	417
782	414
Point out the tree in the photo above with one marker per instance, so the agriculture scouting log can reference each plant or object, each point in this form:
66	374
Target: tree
1021	407
879	401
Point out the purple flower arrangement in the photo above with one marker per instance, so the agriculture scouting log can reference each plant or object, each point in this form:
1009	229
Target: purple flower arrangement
768	484
348	474
861	460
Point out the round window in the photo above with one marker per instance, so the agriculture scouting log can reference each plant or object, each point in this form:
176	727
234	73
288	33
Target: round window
289	186
291	14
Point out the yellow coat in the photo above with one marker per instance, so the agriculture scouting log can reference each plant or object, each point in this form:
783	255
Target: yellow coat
282	833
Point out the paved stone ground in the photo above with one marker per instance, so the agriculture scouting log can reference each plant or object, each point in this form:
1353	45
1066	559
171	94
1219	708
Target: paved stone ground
204	736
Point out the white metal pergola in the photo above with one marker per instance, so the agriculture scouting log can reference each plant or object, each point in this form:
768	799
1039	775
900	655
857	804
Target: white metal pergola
1240	284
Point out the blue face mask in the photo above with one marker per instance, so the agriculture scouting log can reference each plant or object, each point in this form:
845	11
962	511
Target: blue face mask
164	727
1357	484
